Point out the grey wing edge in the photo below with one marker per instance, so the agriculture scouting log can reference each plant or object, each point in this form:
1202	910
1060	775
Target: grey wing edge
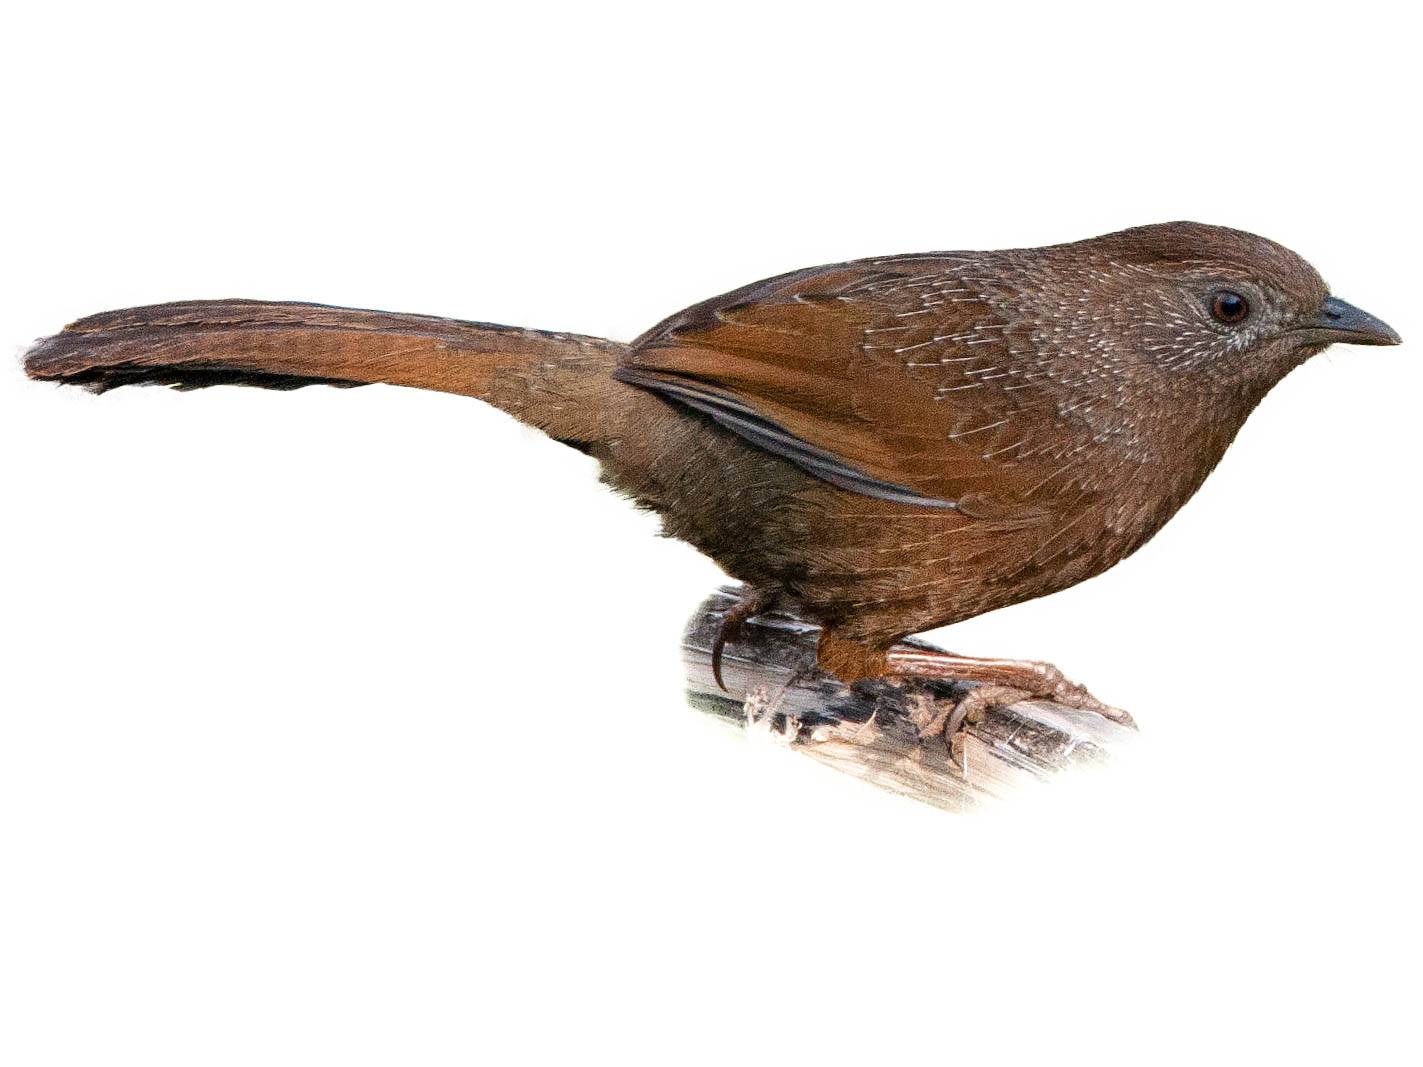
767	435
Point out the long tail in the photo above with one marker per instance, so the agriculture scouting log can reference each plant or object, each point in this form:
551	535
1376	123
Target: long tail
562	383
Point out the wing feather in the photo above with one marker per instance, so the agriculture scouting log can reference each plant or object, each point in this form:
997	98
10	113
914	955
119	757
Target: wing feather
885	377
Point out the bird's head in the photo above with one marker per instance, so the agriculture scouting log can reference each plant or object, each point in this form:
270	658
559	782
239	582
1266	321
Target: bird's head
1199	305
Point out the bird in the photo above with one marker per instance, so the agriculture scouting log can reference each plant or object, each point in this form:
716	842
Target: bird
883	446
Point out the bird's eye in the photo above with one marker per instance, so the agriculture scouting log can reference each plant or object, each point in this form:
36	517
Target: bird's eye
1229	307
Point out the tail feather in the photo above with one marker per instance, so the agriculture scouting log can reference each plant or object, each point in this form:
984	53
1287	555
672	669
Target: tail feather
557	381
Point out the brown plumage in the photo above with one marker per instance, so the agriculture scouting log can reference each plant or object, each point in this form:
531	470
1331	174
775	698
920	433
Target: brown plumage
891	444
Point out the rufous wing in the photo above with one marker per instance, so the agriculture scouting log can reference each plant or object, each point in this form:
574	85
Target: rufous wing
883	377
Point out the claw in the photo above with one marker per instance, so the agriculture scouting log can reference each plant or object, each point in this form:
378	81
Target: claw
1002	682
752	602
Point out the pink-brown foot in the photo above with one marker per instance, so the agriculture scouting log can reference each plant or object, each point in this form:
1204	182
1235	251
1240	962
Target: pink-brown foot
1001	682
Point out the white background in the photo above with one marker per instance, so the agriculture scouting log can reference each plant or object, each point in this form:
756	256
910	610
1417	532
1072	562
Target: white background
345	727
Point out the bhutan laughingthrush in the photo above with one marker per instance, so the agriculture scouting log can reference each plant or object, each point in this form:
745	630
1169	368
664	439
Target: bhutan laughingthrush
889	444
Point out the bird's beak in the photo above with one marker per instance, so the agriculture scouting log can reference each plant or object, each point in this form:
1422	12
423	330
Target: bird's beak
1341	323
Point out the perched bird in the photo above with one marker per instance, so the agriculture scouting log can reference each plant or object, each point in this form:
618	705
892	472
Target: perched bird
888	444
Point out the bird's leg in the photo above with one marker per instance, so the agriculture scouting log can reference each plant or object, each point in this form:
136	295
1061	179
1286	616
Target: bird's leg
1002	682
752	602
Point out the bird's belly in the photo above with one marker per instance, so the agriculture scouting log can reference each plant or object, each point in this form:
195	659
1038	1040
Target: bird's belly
879	571
875	569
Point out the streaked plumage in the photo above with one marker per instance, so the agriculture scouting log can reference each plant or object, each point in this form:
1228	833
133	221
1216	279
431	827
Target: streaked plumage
893	444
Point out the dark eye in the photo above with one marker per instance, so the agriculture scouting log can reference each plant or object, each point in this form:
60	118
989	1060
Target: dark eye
1229	307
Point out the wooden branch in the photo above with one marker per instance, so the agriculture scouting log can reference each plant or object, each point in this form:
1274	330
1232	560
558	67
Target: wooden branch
873	729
